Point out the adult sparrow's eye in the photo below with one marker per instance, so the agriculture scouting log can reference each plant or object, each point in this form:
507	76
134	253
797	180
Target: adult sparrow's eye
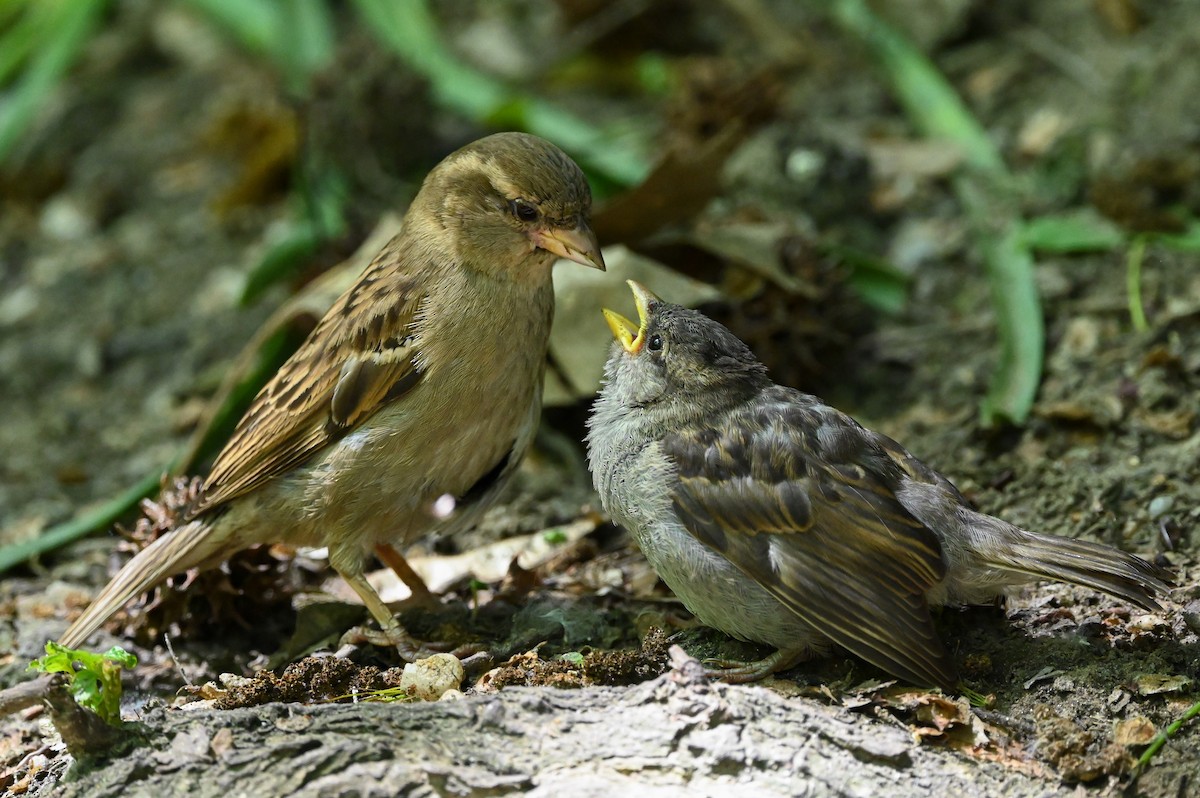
524	210
655	343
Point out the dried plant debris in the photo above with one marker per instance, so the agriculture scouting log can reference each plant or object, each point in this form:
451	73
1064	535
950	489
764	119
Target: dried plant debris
265	139
805	337
1075	752
1155	193
581	669
718	106
251	587
309	681
362	146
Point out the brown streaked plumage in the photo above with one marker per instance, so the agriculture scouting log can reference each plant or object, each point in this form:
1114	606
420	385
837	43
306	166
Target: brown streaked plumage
780	520
422	381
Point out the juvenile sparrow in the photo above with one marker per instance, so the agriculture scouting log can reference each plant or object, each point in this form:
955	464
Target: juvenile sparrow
780	520
415	397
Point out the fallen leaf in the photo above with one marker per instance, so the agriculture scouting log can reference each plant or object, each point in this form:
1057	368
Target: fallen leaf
580	339
1134	731
1158	683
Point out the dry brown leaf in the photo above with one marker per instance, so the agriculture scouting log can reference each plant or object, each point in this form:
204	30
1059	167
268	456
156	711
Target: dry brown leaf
1134	731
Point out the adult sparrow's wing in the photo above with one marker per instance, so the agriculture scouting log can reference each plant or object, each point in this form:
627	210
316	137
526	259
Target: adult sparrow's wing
359	358
801	499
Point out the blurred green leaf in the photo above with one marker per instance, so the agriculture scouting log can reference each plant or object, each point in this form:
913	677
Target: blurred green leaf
880	284
986	190
297	35
254	23
99	518
321	217
283	258
1133	283
410	30
655	74
1187	241
96	682
1081	230
1019	320
45	48
22	38
304	43
929	100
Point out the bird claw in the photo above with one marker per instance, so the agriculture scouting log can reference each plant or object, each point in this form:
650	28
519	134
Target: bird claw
734	671
409	649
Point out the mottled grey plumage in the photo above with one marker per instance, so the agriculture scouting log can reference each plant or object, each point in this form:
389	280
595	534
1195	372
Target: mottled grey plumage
778	519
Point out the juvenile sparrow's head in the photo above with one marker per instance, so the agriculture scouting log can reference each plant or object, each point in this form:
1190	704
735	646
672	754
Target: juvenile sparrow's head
677	357
511	204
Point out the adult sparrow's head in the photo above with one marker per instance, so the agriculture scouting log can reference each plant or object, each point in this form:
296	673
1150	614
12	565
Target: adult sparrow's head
510	204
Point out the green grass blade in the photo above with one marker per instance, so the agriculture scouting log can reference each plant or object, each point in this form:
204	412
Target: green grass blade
1161	738
304	43
99	518
296	35
72	25
25	36
1133	283
1015	302
254	23
1075	231
928	99
320	217
410	30
985	189
1187	241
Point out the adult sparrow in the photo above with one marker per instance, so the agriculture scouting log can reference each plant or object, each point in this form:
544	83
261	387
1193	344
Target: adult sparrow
413	400
780	520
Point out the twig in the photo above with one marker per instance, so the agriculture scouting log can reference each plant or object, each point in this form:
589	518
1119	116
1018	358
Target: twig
175	659
25	694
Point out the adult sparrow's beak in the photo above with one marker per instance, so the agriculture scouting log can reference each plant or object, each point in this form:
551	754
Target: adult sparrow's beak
579	244
629	334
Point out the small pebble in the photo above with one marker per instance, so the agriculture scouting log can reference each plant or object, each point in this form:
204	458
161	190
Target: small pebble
1191	615
1160	506
429	679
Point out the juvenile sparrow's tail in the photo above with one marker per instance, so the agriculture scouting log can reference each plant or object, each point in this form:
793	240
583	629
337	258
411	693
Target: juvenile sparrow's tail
175	552
1091	565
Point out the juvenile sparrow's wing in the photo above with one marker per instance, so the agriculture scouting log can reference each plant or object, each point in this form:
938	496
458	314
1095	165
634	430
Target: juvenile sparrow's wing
359	358
801	499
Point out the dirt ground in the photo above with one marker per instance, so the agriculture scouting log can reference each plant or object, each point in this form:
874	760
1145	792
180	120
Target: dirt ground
131	217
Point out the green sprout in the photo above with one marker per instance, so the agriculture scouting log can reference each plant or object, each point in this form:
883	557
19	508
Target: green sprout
95	678
554	537
1161	738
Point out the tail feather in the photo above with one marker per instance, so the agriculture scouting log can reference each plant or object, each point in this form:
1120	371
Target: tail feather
1091	565
184	548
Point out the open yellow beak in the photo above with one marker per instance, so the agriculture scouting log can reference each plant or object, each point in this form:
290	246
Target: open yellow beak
578	244
631	335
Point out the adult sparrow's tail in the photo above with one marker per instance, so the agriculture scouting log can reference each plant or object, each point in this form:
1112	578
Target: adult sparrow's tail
189	546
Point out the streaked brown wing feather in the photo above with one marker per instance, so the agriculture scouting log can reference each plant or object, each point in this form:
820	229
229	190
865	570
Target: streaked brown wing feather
351	365
812	517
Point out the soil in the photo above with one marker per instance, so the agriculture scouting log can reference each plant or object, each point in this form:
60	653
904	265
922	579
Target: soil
154	181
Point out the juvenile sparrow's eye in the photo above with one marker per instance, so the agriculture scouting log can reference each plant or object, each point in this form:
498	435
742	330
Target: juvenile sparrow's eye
524	210
655	343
